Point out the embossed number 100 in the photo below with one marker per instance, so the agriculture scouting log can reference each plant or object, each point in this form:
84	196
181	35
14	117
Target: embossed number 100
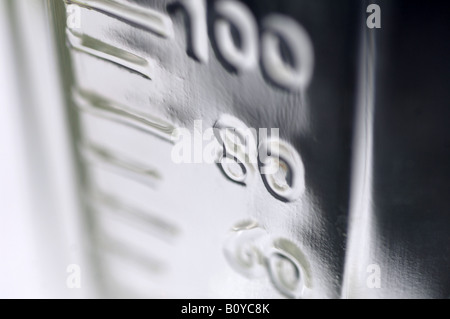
294	76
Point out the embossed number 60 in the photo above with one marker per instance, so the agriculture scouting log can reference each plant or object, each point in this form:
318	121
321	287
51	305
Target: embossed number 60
276	28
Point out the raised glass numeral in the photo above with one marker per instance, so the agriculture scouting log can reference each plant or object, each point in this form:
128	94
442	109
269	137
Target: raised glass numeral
233	12
277	29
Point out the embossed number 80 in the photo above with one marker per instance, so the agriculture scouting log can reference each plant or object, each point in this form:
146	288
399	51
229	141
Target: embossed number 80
276	28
